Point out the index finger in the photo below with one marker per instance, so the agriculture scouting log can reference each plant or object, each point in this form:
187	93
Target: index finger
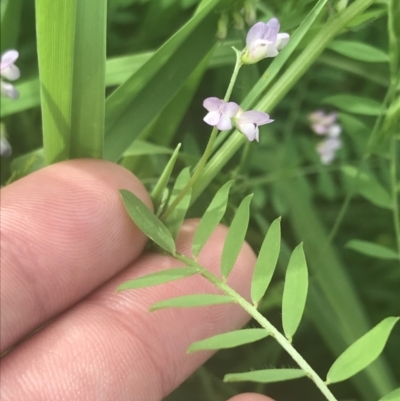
64	232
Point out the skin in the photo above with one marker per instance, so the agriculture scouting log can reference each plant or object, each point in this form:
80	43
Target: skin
66	244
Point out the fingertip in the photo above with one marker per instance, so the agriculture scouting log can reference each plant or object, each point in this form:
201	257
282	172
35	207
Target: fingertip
250	397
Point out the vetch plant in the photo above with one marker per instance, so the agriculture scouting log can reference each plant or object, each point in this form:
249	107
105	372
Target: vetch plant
136	109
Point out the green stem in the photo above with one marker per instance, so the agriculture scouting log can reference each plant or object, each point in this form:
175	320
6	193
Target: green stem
256	315
393	179
207	153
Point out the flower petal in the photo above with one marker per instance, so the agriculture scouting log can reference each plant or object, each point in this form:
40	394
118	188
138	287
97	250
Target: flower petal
271	51
224	123
212	103
256	32
212	118
8	90
272	29
254	117
5	147
11	72
8	58
231	109
334	131
248	129
282	40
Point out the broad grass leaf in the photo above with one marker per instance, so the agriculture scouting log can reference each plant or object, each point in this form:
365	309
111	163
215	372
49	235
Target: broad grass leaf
266	261
294	292
367	186
392	396
160	277
211	218
359	51
157	194
175	219
229	340
266	375
142	148
190	301
361	353
236	235
372	249
355	104
147	221
137	103
72	76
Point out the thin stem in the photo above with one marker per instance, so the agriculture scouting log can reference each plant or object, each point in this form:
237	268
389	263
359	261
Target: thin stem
273	332
393	179
207	153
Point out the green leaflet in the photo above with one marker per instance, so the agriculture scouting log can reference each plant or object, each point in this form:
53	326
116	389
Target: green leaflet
392	396
141	148
162	182
211	218
175	219
157	278
355	104
147	221
359	51
361	353
190	301
236	235
266	375
229	340
294	292
372	249
266	261
72	76
368	186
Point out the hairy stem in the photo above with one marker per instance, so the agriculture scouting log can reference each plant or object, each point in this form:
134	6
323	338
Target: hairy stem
255	314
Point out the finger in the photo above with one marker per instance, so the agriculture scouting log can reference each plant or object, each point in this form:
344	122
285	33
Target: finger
250	397
64	232
110	348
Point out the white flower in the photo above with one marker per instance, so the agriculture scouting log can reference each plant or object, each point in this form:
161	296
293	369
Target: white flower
327	149
5	147
220	113
325	124
264	40
9	71
248	122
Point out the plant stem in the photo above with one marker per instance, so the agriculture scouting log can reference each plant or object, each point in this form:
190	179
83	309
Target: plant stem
255	314
393	179
207	153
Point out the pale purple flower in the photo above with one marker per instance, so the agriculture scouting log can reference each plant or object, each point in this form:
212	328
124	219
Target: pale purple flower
264	40
9	71
327	149
325	124
5	147
220	113
248	122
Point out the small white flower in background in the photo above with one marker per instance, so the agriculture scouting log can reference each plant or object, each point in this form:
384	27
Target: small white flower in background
5	147
247	122
9	71
325	124
327	149
220	113
264	40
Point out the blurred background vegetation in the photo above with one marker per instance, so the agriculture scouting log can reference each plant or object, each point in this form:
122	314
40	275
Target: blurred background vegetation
283	171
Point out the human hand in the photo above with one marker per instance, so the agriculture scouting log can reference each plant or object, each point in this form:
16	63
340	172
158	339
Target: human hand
66	244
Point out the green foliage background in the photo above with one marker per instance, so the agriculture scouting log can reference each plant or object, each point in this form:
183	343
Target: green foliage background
349	290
